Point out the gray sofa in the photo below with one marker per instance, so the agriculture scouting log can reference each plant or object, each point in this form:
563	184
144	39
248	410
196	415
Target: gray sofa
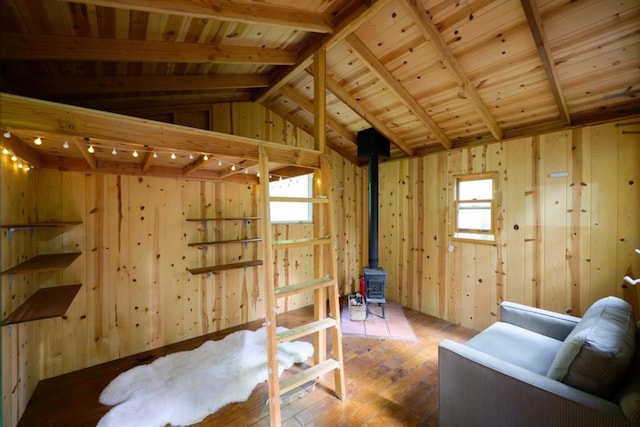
539	368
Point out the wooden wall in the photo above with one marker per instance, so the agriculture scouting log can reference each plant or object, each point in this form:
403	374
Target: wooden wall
562	242
136	293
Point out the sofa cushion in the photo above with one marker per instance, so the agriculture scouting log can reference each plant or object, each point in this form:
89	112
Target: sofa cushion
629	395
518	346
596	354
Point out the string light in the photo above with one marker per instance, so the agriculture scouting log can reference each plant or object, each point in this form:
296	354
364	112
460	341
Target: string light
14	158
246	171
233	167
91	149
27	167
7	134
205	158
219	162
114	151
190	156
5	151
173	156
65	145
135	153
258	174
19	164
155	155
37	141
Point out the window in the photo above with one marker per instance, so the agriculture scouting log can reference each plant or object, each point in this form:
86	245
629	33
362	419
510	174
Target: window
475	207
299	186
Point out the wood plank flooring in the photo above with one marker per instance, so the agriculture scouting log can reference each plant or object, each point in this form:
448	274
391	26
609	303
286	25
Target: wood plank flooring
389	382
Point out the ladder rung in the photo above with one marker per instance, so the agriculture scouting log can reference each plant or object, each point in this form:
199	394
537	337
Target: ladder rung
318	199
307	375
308	241
309	285
306	329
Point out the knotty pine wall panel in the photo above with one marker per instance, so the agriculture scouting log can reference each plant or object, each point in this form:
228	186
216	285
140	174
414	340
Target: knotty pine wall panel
136	292
562	242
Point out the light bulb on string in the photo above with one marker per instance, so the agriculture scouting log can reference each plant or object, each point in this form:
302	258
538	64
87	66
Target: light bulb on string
233	167
14	158
173	156
114	151
155	155
219	162
37	141
27	167
205	157
7	134
5	151
135	153
19	165
190	156
91	149
258	174
65	145
246	171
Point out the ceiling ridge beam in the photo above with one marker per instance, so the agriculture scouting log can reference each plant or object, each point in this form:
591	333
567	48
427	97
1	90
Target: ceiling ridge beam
81	85
367	115
62	47
542	44
378	68
248	12
346	23
431	33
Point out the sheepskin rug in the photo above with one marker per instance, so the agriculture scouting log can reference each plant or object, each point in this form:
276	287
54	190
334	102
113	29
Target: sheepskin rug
184	387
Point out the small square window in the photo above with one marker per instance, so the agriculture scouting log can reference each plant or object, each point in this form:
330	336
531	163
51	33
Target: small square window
475	207
291	212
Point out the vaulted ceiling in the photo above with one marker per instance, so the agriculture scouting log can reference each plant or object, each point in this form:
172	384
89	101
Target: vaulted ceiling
430	75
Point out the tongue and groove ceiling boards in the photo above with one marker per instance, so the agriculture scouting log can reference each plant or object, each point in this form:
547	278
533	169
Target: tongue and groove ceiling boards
430	75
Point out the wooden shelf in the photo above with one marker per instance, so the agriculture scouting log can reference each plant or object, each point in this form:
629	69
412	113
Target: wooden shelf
318	199
308	241
222	242
40	224
45	262
245	218
44	304
218	268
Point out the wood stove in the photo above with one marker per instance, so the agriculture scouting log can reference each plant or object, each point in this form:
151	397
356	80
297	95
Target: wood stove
372	144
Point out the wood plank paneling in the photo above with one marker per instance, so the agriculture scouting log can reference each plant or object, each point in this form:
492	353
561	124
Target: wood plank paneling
564	241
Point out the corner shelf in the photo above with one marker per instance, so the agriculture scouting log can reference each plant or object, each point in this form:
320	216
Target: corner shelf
45	303
215	269
44	262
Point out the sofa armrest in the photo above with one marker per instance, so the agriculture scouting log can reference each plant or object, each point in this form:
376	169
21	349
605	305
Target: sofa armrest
477	389
548	323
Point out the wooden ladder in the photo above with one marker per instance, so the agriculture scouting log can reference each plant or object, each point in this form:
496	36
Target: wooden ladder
326	359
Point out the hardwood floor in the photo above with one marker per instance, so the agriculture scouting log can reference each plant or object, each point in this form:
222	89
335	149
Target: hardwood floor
389	383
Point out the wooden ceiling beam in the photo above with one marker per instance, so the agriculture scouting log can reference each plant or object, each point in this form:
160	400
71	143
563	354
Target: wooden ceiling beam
198	163
308	106
147	159
78	85
307	127
248	12
60	47
431	33
88	158
535	25
378	68
21	149
347	22
366	115
32	115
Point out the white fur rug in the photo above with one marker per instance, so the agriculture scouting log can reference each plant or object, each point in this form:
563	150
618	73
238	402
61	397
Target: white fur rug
183	388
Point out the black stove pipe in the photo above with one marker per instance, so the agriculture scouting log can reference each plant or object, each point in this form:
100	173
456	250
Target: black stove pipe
373	211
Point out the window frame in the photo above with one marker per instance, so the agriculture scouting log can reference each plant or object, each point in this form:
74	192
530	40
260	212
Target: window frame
472	234
309	205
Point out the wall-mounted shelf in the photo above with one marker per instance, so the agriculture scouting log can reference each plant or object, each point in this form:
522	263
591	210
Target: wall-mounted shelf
43	224
44	263
244	218
218	268
44	304
222	242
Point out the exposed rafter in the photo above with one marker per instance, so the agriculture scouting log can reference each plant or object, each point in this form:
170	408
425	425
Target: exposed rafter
75	85
366	115
346	23
250	12
535	24
88	158
389	80
198	163
431	33
57	47
21	149
308	106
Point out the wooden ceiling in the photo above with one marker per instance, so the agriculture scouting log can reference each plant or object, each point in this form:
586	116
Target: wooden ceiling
428	74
